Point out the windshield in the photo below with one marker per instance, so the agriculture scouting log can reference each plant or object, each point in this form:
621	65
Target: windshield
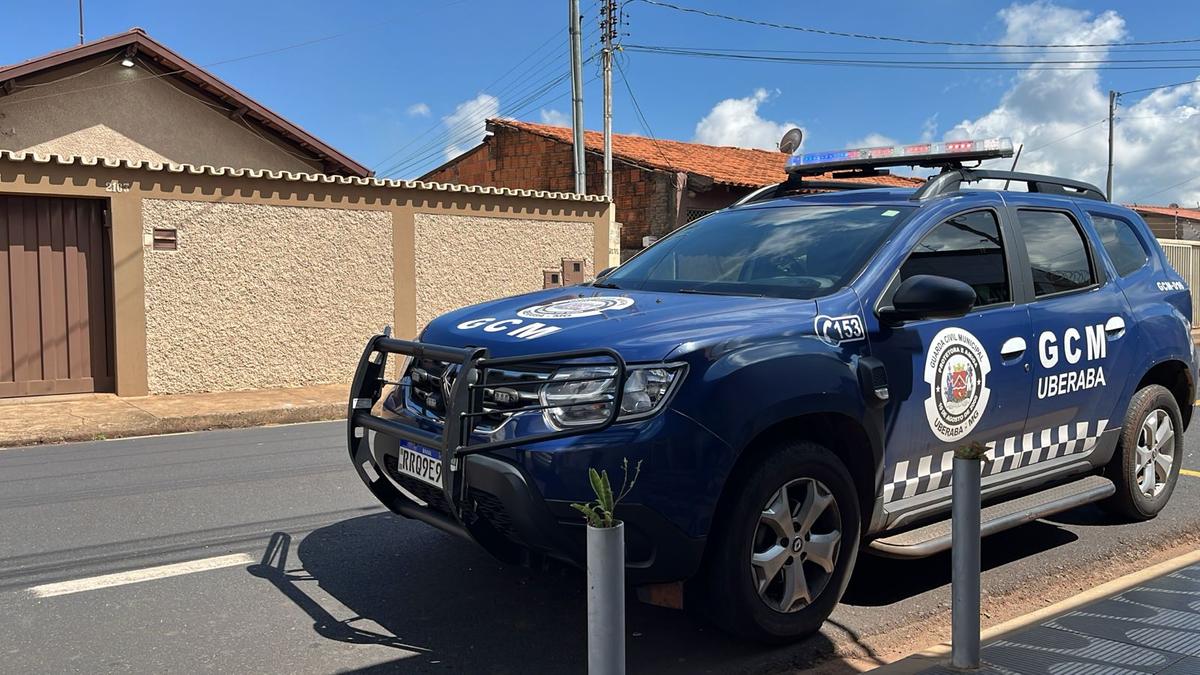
795	252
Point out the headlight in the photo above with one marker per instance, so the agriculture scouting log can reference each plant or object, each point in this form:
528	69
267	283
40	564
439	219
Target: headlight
582	395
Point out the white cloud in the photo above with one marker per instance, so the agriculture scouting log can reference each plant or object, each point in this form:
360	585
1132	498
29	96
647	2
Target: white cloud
466	124
929	128
418	110
735	121
1157	135
872	140
555	118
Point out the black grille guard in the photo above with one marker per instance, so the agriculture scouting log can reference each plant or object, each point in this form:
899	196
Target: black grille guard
464	403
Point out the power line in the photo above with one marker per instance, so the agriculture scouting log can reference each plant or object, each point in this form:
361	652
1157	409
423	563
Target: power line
887	38
525	81
1181	116
73	76
1171	187
211	64
1065	65
641	117
468	128
1073	133
1161	86
523	76
939	52
435	125
509	115
860	53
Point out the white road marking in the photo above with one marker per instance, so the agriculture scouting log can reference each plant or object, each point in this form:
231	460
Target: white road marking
137	576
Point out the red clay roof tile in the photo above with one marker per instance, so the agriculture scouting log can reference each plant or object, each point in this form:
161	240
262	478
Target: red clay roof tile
742	167
1190	214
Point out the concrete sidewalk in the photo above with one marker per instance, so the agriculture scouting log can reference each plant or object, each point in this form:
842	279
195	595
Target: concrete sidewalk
85	417
1147	622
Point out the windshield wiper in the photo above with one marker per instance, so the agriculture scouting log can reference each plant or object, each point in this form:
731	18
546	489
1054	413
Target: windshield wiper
698	291
605	284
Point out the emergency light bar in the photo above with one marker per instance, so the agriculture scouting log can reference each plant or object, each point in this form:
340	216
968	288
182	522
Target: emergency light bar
939	154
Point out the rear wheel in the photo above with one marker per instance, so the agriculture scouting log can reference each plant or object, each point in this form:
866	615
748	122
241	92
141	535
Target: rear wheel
781	554
1146	464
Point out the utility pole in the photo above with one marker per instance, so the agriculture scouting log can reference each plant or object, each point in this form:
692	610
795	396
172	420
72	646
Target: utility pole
608	25
1112	110
80	21
577	97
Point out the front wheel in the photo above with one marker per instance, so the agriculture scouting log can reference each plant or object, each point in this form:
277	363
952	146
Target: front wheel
1146	464
781	553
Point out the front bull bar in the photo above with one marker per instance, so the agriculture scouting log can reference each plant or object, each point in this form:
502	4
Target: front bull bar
464	405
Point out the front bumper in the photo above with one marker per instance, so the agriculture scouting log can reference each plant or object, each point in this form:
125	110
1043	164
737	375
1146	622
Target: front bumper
504	512
490	496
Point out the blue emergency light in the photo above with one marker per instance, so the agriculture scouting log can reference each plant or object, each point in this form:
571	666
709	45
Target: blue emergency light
933	154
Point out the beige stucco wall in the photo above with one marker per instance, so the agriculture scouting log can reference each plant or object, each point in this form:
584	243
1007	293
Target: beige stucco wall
462	260
262	296
106	110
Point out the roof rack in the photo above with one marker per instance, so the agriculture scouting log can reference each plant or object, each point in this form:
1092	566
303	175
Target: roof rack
867	162
946	155
951	180
794	184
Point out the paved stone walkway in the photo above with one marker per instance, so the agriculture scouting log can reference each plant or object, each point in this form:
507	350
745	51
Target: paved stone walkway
85	417
1151	628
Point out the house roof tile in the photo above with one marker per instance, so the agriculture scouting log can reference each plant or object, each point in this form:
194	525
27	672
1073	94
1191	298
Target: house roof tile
742	167
1190	214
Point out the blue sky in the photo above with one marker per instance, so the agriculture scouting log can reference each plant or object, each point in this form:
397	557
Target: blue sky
398	75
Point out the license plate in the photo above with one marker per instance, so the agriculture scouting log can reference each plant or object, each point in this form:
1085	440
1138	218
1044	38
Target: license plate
420	462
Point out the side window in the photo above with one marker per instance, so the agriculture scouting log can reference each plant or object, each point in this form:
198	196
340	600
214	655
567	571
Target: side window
968	248
1123	246
1057	252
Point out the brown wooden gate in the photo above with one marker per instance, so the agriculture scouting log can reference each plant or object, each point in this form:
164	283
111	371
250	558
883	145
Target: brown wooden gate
55	297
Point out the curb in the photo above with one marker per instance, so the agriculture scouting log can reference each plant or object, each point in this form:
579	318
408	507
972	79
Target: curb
203	422
937	655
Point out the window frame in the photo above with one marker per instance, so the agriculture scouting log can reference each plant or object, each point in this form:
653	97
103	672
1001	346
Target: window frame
889	290
1147	252
1099	275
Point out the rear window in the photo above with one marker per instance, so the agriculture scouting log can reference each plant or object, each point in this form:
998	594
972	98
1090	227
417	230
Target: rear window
793	252
1057	252
1123	246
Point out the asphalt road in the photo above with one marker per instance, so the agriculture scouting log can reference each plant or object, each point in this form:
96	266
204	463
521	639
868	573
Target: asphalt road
329	582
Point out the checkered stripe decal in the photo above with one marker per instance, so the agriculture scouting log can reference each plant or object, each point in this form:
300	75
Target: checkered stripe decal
914	477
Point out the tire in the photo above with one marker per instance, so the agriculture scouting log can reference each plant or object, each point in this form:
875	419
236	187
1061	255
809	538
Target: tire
1136	498
729	583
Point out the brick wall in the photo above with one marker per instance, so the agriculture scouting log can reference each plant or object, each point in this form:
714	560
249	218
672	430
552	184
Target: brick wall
520	160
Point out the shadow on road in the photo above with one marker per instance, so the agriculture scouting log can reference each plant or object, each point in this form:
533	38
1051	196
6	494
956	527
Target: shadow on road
451	608
884	581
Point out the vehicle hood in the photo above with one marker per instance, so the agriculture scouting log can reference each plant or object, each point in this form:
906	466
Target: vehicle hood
641	326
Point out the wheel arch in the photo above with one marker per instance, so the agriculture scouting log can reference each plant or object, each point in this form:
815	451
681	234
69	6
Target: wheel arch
845	436
1176	376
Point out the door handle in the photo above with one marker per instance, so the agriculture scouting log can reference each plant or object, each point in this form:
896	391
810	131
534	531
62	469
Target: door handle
1012	347
1115	327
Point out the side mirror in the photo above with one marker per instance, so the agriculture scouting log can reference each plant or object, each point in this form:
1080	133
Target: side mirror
605	272
925	296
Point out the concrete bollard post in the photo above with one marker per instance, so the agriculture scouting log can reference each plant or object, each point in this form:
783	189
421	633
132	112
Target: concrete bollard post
964	534
606	600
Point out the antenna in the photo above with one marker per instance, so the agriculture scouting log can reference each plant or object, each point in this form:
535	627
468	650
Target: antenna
80	21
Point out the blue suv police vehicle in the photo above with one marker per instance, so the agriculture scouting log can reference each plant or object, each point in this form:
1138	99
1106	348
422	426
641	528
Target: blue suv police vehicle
795	373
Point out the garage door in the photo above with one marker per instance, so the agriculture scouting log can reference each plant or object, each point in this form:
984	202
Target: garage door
55	290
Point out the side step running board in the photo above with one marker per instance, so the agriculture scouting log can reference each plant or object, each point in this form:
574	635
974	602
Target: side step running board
935	537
